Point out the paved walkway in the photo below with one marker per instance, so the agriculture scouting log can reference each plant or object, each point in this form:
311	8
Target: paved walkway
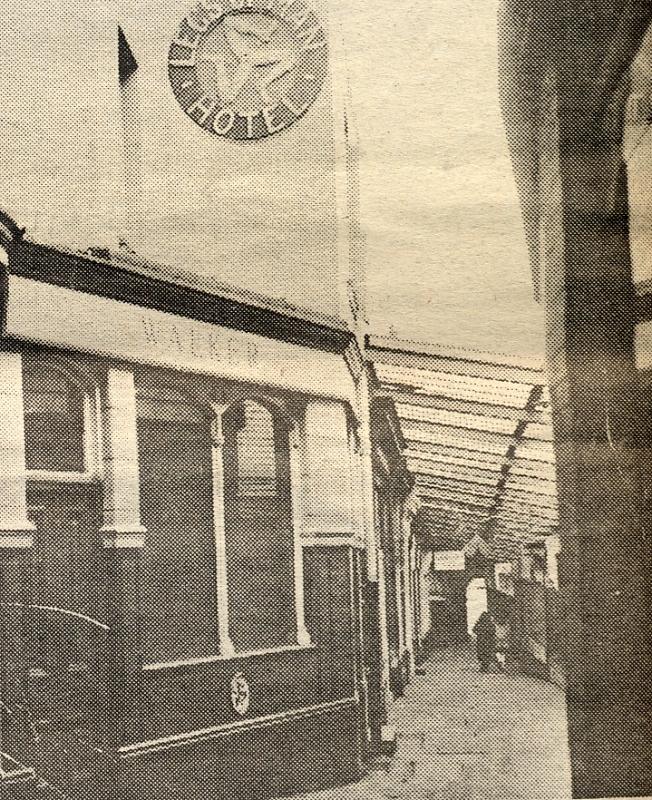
463	735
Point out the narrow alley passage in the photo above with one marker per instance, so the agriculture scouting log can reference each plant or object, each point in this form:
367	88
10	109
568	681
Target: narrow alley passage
463	735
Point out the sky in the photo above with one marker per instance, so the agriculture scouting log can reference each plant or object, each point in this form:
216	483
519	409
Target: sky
447	257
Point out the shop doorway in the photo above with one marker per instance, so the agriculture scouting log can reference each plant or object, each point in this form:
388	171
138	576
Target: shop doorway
476	601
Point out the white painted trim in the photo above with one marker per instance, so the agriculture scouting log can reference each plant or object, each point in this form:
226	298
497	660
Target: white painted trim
120	530
16	526
331	541
90	433
16	541
643	345
13	498
85	383
118	446
191	662
296	455
113	539
43	475
21	774
219	532
216	731
63	317
296	445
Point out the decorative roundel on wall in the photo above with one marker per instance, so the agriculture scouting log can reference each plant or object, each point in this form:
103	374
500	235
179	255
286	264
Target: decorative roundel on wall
247	69
240	694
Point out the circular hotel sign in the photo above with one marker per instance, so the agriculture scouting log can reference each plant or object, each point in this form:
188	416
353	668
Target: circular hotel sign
246	69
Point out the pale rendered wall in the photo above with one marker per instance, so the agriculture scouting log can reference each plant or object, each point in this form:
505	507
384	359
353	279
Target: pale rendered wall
261	215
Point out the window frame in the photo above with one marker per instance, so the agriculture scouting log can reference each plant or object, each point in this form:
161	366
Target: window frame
172	393
91	434
290	416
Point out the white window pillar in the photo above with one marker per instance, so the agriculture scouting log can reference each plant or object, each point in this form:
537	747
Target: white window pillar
16	531
296	488
221	575
122	527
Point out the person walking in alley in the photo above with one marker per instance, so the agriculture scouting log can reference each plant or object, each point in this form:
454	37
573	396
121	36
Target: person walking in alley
485	641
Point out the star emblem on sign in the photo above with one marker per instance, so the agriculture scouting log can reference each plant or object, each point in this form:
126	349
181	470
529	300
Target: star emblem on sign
246	72
240	694
256	61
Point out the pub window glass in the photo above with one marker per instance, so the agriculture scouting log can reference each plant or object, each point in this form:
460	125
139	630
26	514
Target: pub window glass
259	536
56	410
256	462
176	499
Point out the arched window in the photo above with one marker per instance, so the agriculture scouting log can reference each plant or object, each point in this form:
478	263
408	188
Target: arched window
254	452
176	496
259	537
58	420
65	505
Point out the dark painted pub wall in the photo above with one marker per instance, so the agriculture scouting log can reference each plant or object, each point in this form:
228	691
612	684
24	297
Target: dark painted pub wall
154	673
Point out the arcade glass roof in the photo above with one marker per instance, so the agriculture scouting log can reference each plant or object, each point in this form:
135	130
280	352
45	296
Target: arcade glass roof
478	436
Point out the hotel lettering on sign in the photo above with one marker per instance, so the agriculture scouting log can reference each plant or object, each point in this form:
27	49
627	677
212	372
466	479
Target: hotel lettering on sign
209	137
246	69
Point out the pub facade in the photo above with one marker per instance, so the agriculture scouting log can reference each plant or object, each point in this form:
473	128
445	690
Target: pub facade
185	537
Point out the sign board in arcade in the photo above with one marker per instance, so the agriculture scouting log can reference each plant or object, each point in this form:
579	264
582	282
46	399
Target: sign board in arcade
448	560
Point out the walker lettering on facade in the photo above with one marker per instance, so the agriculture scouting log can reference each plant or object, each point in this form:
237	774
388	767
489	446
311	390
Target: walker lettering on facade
199	343
60	317
246	69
